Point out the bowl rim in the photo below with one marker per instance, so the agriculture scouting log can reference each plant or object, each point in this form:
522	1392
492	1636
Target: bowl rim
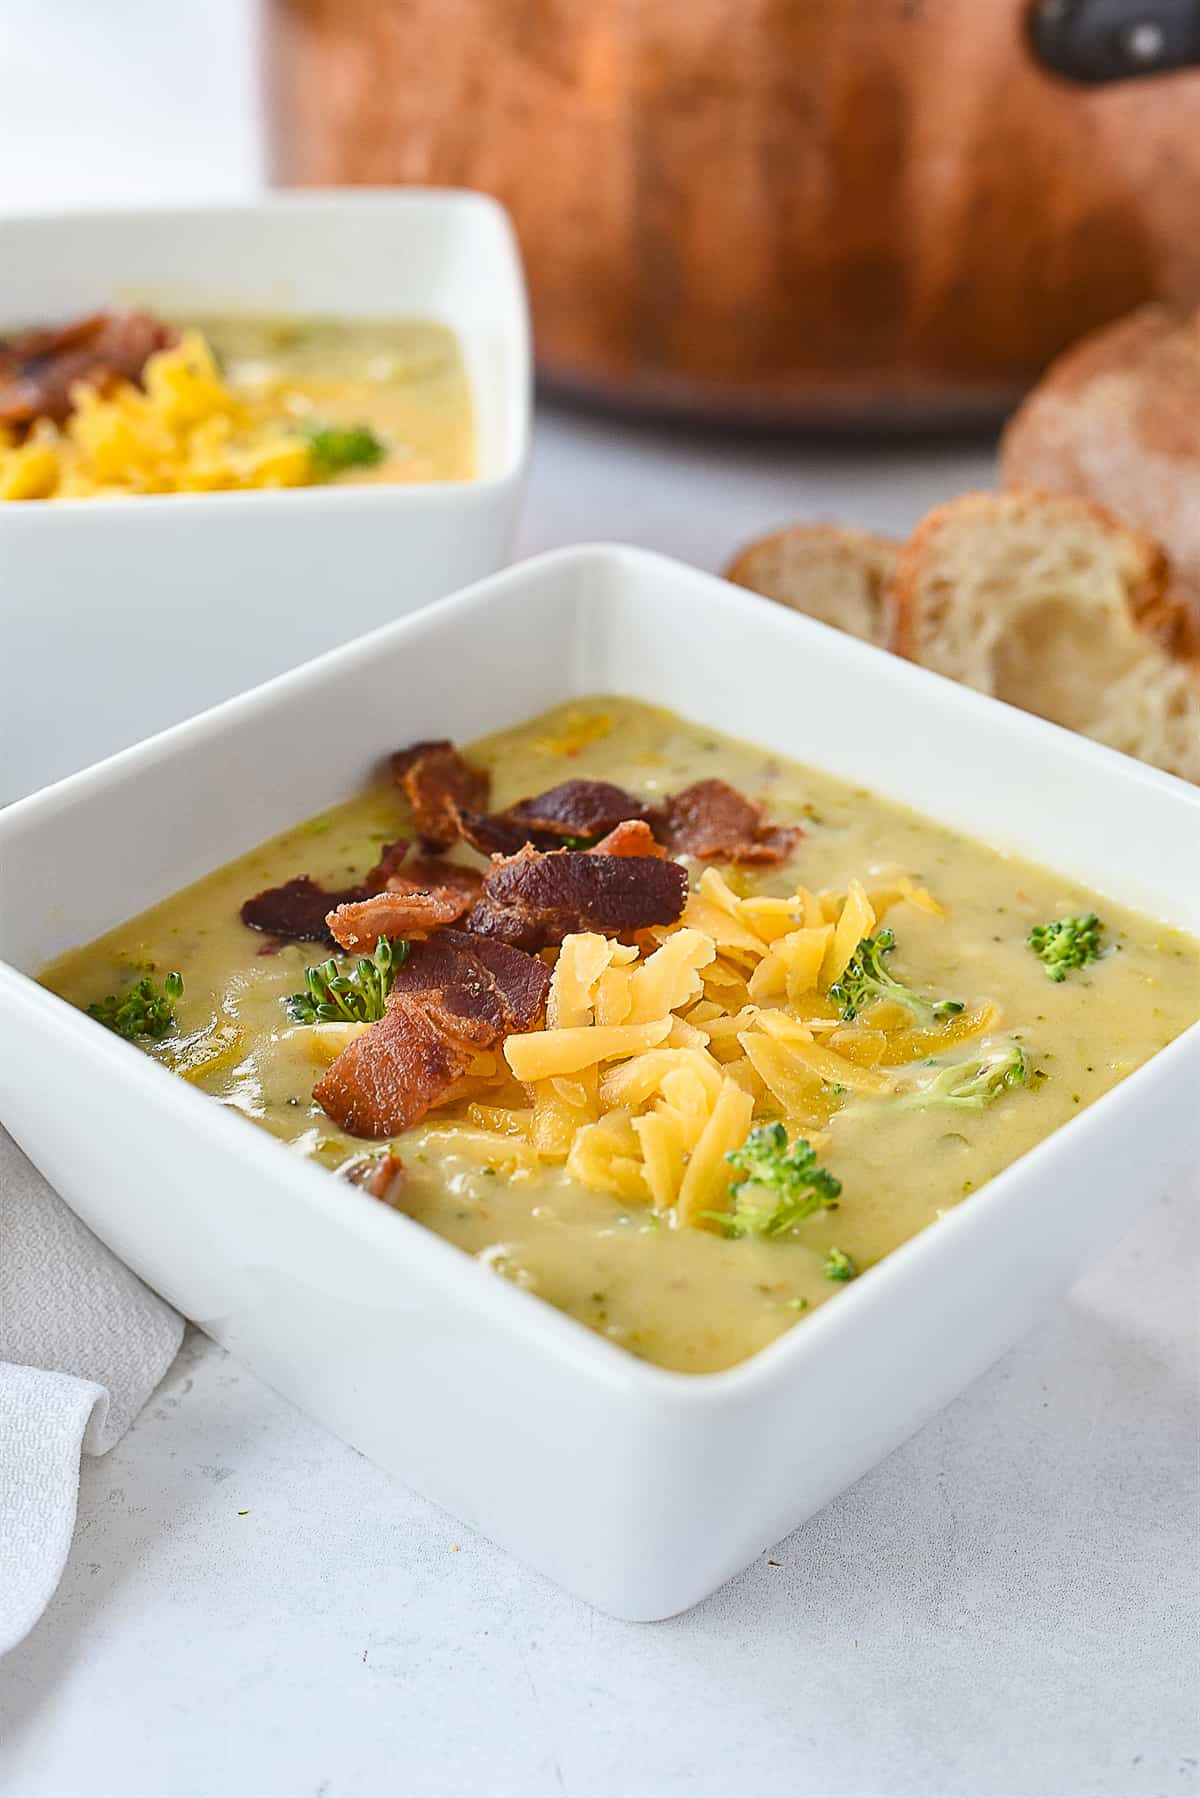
539	1322
517	383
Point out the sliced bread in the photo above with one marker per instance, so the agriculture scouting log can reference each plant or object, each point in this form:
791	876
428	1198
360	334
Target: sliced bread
1117	419
1048	602
825	570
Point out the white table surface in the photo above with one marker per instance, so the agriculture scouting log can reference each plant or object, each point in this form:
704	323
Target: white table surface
1005	1609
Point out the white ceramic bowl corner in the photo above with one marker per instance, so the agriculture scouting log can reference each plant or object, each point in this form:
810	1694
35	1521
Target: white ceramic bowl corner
133	613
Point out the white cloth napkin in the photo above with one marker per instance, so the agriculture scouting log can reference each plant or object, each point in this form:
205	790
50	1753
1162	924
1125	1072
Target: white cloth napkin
82	1345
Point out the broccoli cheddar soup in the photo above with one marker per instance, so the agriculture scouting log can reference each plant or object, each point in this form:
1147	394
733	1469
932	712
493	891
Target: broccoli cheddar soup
125	403
673	1033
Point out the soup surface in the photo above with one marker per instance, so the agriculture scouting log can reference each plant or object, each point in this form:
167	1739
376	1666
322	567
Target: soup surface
125	403
912	1110
405	378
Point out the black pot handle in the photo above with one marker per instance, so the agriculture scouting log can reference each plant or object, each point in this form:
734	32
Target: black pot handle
1095	41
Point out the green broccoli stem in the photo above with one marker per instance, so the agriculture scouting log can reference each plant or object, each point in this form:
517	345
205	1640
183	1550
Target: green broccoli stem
867	981
972	1084
331	996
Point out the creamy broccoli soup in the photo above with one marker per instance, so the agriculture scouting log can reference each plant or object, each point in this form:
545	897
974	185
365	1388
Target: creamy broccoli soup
709	1036
123	402
404	380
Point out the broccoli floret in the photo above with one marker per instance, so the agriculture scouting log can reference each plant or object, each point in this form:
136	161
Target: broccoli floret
780	1188
866	980
358	998
142	1010
972	1084
838	1266
333	448
1067	943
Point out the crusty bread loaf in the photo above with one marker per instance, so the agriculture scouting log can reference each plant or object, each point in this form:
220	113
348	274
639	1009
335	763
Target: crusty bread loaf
1048	602
1117	419
829	572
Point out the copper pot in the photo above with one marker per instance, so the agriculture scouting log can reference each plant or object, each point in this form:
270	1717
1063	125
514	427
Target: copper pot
820	211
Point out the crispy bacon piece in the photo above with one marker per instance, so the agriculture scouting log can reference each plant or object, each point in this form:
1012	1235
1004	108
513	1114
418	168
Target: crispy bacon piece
577	808
496	834
401	760
709	820
392	858
455	996
408	911
439	785
712	821
633	837
474	988
296	911
386	1181
299	910
408	898
426	871
39	368
533	901
396	872
383	1176
388	1077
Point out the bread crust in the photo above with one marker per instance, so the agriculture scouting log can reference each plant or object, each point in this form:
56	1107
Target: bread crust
787	566
1117	419
866	546
946	595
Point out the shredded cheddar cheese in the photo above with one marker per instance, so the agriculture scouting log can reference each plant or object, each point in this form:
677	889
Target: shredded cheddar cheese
657	1058
182	431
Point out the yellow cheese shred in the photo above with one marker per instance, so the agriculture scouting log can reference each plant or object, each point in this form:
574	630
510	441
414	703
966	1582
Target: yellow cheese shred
659	1054
540	1053
705	1185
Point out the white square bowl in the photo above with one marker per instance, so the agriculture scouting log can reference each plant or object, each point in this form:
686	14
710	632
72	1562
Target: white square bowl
640	1489
135	612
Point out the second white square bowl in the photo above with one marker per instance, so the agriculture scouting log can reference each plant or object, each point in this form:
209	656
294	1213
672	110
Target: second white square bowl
122	615
637	1488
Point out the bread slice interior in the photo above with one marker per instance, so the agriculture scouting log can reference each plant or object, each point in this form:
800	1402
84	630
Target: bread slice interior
1048	603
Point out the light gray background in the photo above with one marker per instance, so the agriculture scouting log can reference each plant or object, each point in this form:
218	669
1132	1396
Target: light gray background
1005	1609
